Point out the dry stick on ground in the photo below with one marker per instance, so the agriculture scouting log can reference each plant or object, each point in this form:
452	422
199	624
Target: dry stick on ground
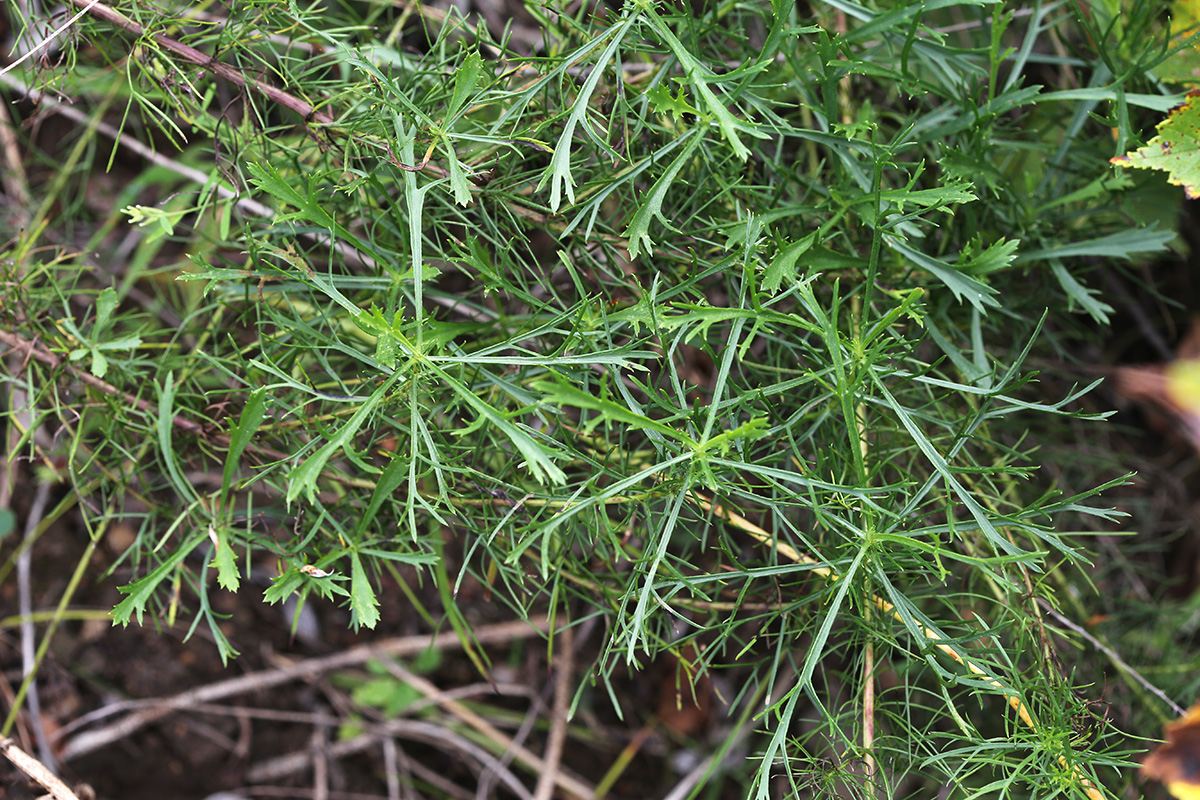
406	646
391	767
253	207
246	205
231	74
558	721
34	350
305	110
22	419
430	733
45	101
422	731
36	770
29	662
483	787
572	786
49	38
934	636
437	780
320	755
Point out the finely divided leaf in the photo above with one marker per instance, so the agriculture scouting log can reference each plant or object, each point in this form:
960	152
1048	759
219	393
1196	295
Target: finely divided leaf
141	591
783	267
963	286
639	228
559	172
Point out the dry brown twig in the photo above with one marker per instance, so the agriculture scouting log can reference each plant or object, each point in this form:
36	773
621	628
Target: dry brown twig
35	770
29	657
571	786
33	350
416	730
90	741
22	419
559	713
306	110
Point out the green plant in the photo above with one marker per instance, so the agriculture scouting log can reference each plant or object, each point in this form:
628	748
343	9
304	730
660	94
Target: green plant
710	320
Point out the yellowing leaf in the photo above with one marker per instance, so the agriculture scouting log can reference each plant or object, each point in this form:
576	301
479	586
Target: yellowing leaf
1176	149
1176	762
1183	384
1185	16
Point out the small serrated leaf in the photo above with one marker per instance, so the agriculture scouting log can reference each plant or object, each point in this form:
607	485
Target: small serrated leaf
225	560
387	350
307	202
963	286
638	231
564	394
783	266
1085	297
363	601
106	302
141	591
995	256
466	78
99	363
284	586
242	433
663	103
459	184
127	343
1175	150
303	479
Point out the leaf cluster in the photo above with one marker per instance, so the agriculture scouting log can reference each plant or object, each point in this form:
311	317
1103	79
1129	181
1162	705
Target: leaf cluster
713	321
